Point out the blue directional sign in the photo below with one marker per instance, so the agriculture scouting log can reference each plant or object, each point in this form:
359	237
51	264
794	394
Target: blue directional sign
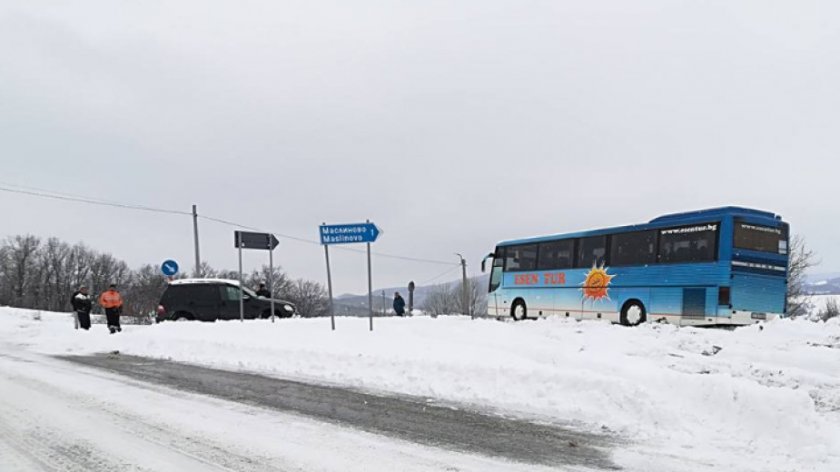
349	234
169	268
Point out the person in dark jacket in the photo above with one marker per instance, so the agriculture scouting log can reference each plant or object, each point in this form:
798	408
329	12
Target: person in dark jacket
81	302
263	292
399	304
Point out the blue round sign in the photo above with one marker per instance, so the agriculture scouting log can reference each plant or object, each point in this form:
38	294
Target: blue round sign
169	268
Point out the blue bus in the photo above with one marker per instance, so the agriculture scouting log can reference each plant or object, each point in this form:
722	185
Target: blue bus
722	266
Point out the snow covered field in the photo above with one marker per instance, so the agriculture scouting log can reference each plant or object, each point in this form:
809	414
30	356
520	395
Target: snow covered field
757	398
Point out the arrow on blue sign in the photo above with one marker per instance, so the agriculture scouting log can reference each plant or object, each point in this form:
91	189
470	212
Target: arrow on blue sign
349	233
169	268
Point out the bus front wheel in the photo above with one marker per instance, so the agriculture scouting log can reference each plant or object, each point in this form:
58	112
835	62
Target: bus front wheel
633	313
518	311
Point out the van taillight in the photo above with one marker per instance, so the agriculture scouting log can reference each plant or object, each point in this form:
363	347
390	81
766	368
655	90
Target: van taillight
724	296
161	310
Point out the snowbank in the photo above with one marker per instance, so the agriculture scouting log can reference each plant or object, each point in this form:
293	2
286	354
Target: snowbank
754	399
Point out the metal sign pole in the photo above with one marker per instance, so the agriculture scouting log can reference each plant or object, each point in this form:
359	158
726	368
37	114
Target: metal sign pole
241	284
329	286
370	288
271	277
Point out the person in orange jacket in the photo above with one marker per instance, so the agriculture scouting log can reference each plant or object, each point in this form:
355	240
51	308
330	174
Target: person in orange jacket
112	302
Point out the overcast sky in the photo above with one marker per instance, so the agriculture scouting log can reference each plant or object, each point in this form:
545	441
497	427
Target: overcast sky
450	124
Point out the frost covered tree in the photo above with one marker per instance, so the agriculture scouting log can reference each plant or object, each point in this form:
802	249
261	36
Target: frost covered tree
442	300
801	259
448	299
477	297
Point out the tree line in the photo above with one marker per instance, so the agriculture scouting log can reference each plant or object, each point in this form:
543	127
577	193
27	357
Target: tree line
42	274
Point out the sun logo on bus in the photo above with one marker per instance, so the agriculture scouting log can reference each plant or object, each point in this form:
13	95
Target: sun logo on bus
596	285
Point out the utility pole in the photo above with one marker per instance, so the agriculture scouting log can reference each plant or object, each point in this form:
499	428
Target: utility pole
465	289
195	234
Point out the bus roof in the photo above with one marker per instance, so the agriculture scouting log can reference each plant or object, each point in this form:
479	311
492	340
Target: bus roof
674	219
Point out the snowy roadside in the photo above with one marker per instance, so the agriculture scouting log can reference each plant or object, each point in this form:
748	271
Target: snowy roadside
756	398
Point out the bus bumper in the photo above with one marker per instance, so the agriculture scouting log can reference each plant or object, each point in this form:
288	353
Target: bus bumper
729	318
752	317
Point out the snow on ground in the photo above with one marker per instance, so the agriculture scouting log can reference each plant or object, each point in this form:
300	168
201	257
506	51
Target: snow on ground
60	417
763	397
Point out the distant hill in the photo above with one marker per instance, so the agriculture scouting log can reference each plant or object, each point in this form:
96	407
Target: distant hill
824	286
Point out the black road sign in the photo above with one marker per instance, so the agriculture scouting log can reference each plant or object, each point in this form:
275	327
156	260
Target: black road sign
265	241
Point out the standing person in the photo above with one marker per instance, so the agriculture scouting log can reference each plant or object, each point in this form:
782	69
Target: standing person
112	302
80	300
263	292
399	304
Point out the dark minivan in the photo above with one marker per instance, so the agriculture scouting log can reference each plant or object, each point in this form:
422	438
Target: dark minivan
215	299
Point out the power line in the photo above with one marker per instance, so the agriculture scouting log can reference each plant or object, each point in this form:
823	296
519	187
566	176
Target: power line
90	201
448	271
318	243
43	193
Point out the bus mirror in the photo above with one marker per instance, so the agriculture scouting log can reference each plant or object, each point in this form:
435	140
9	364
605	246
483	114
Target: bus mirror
484	261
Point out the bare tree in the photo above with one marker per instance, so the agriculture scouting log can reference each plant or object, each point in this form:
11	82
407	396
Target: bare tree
143	294
282	283
801	259
206	271
21	254
831	310
53	260
310	298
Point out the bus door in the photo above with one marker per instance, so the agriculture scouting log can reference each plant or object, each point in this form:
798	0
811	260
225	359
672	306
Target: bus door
496	273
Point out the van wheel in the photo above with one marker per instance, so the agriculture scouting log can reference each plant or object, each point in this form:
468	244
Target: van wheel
518	311
183	316
633	313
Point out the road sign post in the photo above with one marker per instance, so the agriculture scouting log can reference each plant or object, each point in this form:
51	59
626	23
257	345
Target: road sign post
262	241
370	290
329	286
367	233
241	288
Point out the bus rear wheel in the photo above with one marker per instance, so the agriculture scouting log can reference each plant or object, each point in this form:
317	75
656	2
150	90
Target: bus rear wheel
518	311
633	313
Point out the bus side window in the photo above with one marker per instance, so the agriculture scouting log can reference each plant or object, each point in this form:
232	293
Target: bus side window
634	248
522	257
556	255
593	251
